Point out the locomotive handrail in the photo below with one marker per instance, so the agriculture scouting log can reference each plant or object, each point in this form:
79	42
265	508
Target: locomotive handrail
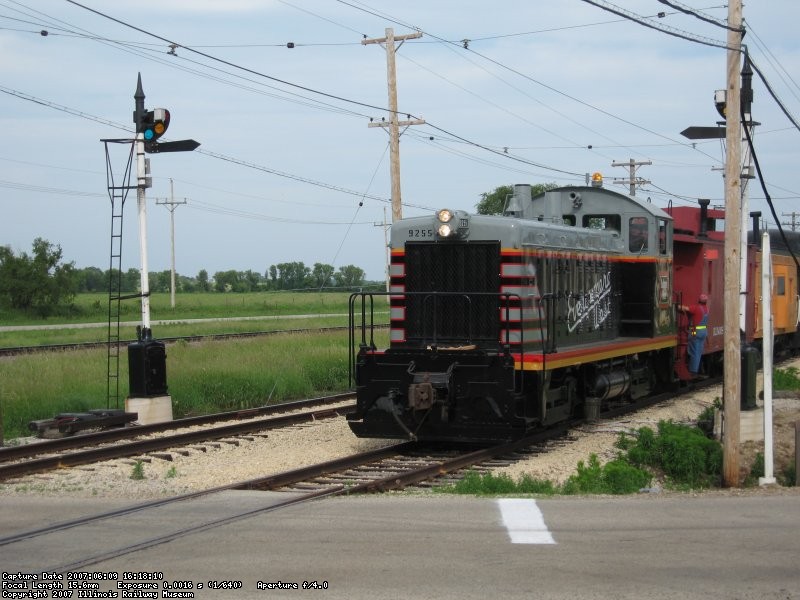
505	329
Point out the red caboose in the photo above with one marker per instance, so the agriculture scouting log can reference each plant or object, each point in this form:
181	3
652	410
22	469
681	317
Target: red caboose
698	264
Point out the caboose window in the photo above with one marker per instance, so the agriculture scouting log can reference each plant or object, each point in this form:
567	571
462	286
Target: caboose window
638	231
780	286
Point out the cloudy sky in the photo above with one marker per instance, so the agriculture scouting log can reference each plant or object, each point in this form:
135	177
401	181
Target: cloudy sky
288	170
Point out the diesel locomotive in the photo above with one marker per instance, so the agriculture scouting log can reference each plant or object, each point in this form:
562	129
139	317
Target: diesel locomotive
563	304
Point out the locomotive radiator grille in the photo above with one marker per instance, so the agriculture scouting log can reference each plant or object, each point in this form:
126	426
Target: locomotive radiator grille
450	293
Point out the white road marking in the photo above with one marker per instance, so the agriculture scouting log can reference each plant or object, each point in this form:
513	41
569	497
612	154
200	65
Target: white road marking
524	521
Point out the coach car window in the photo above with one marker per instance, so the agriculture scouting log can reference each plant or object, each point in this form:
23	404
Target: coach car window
637	234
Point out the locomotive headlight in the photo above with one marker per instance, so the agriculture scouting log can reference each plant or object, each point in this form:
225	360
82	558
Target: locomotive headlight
445	215
445	230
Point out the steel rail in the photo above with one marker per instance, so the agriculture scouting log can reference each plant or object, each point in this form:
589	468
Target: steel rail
181	439
112	435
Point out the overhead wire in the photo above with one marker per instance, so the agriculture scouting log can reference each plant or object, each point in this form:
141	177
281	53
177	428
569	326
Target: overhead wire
358	208
219	156
299	86
618	10
773	60
764	188
364	8
138	48
688	10
485	147
772	93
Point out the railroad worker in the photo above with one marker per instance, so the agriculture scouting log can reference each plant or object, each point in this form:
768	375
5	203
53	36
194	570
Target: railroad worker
698	331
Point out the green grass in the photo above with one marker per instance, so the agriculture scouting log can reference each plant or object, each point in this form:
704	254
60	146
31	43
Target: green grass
274	307
487	484
681	453
15	339
90	308
786	379
203	377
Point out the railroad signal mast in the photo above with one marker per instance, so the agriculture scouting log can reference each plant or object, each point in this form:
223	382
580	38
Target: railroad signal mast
147	369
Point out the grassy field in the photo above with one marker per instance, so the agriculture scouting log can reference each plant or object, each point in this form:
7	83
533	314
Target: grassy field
274	308
203	377
90	308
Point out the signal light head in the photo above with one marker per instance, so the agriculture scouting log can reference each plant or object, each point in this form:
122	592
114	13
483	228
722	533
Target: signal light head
154	124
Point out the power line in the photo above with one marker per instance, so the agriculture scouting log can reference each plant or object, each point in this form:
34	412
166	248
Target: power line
773	60
216	155
304	88
688	10
774	96
617	10
523	75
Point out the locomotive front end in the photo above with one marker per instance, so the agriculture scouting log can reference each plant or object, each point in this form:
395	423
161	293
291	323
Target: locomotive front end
448	373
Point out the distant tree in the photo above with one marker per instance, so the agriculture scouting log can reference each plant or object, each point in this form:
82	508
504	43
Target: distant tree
349	276
492	203
322	275
202	281
131	281
293	276
253	280
39	283
185	284
226	281
160	281
91	279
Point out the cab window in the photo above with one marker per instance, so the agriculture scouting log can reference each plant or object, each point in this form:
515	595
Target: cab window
637	234
606	222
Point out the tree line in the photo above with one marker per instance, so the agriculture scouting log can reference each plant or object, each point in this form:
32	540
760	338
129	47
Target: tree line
283	276
41	282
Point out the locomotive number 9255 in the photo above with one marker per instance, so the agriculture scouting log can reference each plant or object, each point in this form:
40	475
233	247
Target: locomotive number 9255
420	233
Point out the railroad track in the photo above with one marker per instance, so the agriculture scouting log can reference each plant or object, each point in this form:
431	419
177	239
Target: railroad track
18	350
82	440
18	461
390	468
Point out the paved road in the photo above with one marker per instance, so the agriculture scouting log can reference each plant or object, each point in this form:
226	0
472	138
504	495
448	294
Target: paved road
644	547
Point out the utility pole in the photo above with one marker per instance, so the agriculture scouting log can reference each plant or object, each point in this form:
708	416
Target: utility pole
794	216
632	180
394	124
733	235
171	205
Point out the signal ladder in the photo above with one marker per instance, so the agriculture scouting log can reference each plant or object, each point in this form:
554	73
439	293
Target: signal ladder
117	194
